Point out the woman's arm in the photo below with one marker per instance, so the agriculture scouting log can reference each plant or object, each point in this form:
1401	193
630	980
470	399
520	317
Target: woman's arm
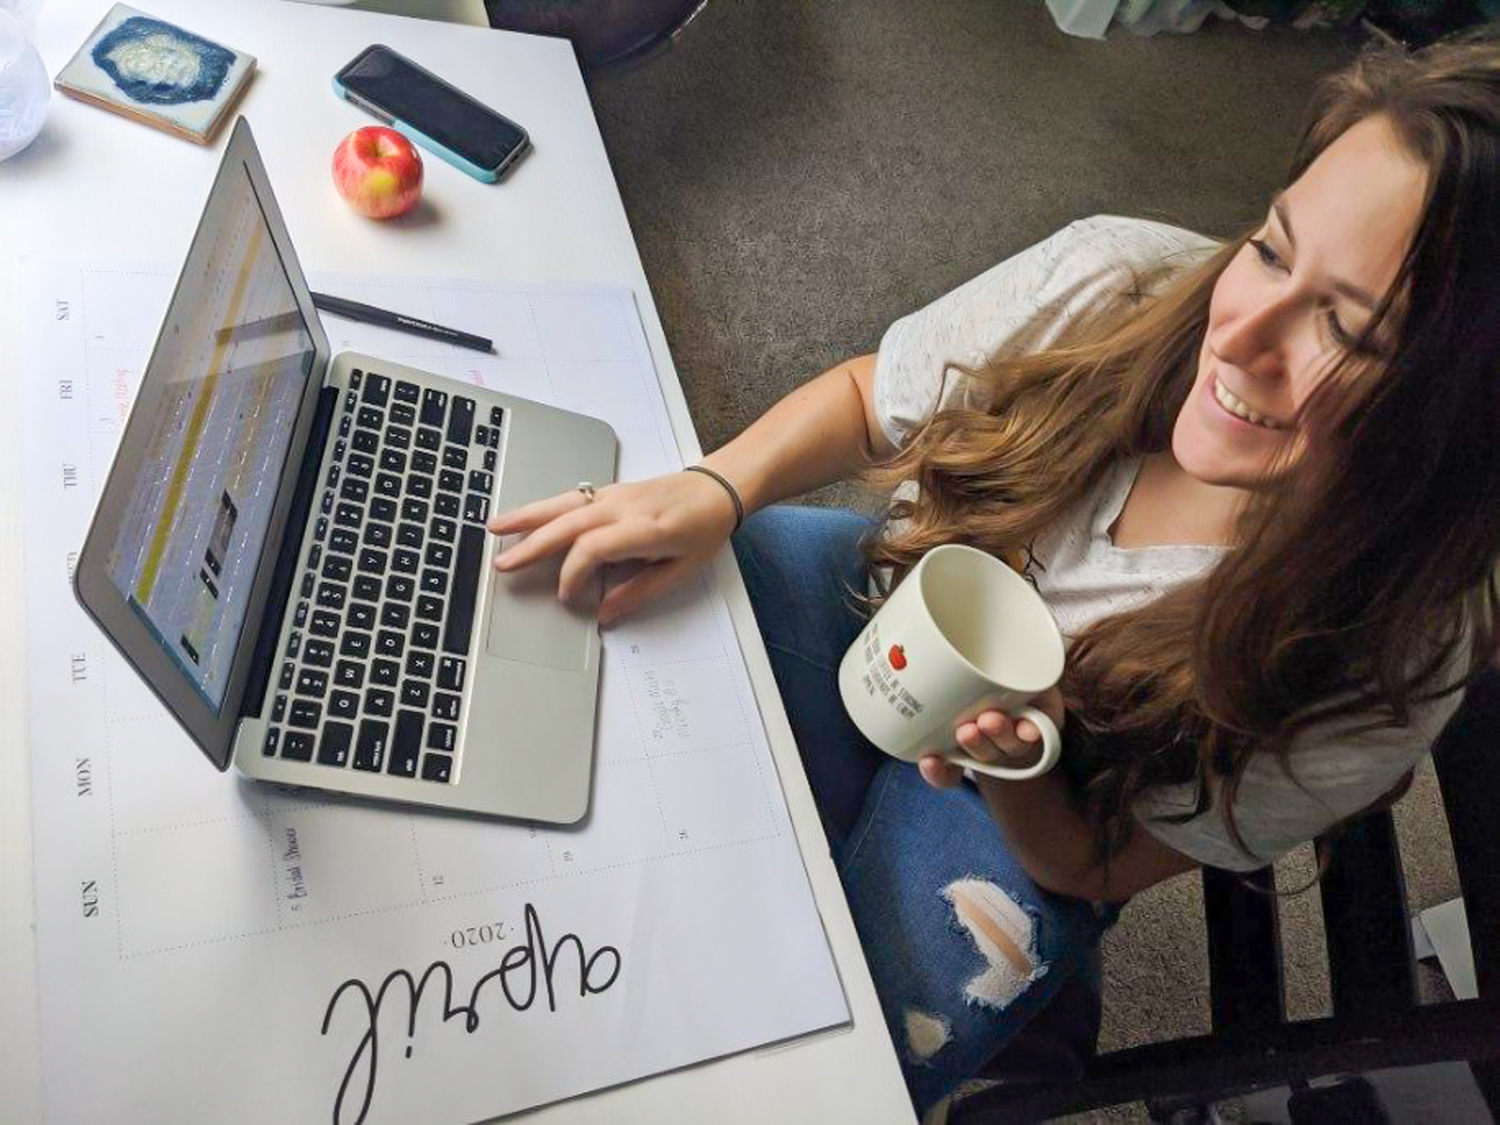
1042	820
822	432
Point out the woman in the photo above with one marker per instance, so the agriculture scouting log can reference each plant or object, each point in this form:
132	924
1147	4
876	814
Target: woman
1257	483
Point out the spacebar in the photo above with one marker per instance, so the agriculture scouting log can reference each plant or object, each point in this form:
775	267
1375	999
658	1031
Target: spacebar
460	624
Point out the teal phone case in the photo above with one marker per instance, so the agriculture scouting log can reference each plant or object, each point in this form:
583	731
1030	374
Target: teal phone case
417	137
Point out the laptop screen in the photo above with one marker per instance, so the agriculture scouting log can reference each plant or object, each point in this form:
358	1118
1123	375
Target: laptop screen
235	357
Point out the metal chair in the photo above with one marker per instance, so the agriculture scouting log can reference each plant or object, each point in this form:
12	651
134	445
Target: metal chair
1376	1022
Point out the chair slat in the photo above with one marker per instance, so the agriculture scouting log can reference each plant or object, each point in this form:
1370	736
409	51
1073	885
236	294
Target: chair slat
1244	950
1370	963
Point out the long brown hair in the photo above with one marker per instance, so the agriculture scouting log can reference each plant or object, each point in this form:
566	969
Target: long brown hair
1347	590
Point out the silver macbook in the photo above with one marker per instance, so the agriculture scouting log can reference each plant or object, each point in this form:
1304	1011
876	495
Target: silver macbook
291	551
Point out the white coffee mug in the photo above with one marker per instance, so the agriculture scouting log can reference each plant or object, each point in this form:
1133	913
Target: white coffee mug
962	634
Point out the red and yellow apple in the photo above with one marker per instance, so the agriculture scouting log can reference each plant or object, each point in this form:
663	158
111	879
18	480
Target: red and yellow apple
378	172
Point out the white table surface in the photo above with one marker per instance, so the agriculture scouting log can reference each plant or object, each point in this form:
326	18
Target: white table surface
96	184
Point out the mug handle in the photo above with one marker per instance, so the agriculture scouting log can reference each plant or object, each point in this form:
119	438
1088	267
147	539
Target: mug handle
1051	751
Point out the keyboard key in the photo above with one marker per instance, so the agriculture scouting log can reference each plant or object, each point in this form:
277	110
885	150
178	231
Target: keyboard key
440	555
331	595
418	484
314	556
401	587
414	510
278	710
419	663
320	529
297	746
414	693
481	482
385	673
355	643
333	744
442	529
446	504
482	435
318	653
372	561
410	534
378	534
355	490
307	584
430	608
343	705
337	567
402	414
460	623
496	415
369	418
273	739
423	462
445	706
436	767
367	587
404	561
383	508
442	736
450	673
379	702
304	713
312	683
395	615
348	674
356	377
361	616
407	392
293	643
434	581
461	420
390	643
398	436
388	484
369	750
333	473
349	515
429	439
361	464
288	670
476	508
450	480
377	388
424	635
366	441
344	426
299	618
455	457
489	460
326	504
393	461
406	744
434	407
340	447
343	540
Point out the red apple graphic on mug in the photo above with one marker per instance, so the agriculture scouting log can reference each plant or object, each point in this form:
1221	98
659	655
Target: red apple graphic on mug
897	657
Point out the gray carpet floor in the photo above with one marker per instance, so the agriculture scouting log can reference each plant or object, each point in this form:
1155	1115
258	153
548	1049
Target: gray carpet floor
799	173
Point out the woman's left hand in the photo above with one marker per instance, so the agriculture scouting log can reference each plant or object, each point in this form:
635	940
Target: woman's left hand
994	737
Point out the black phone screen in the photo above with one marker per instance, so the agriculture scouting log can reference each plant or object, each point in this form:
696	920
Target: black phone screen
407	92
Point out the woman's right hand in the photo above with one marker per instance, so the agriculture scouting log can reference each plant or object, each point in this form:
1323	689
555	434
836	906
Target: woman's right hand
674	524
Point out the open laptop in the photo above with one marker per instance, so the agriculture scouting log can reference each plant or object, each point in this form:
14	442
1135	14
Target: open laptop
291	550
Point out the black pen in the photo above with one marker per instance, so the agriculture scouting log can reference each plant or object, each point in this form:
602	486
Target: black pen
354	310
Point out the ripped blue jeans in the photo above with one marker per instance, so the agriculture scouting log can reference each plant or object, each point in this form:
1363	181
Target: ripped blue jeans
963	947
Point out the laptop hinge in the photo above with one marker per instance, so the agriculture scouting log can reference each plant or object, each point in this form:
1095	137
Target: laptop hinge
291	551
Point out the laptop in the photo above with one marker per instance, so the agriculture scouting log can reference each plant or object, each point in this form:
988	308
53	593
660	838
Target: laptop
291	549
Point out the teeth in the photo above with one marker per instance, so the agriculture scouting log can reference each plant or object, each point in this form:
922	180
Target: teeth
1239	409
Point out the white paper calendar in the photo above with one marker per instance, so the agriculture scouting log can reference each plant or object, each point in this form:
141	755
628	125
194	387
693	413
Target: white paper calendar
215	949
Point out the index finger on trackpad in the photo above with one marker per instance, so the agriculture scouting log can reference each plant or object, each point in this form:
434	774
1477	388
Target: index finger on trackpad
527	622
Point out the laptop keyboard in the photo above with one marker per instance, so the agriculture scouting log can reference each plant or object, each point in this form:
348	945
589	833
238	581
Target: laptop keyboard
372	674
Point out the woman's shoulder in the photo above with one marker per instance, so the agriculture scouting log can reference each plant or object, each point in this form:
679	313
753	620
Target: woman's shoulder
1111	240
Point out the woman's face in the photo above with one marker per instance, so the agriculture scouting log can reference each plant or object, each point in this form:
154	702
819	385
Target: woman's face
1293	300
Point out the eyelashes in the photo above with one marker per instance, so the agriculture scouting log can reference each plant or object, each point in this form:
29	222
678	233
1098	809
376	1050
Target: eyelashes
1271	259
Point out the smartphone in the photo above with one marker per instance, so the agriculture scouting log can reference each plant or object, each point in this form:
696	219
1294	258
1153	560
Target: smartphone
439	117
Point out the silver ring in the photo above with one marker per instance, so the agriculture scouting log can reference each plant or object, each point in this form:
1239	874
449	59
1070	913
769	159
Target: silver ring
587	489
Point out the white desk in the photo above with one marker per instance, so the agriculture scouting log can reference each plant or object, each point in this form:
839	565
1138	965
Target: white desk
96	184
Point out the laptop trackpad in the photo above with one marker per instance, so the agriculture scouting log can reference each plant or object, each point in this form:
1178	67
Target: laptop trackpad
529	624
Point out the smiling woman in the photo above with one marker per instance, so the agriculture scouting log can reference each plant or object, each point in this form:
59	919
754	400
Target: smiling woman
1257	484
